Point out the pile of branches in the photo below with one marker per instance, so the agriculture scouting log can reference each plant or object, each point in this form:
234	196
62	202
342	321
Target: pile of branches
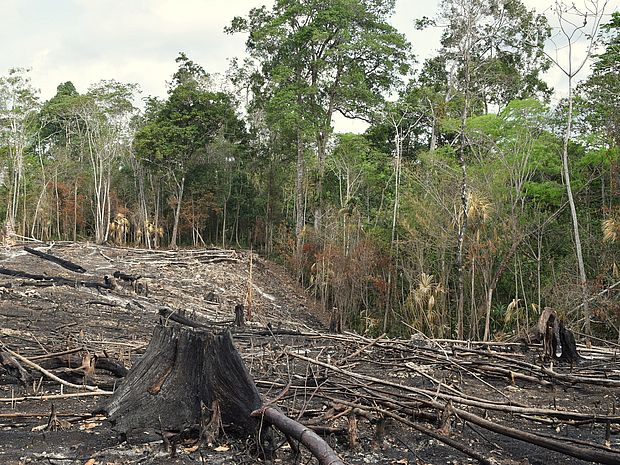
345	384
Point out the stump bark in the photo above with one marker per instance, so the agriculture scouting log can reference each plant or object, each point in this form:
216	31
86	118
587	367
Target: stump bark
558	341
183	372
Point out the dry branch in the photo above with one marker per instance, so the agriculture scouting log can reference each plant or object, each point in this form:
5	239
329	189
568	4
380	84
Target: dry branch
71	395
53	377
54	279
315	444
427	397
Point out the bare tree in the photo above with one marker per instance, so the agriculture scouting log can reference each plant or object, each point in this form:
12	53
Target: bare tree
576	25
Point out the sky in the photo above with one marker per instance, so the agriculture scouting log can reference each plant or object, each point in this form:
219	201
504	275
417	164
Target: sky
136	41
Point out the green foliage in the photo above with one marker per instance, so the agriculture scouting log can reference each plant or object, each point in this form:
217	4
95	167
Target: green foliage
501	42
600	90
180	129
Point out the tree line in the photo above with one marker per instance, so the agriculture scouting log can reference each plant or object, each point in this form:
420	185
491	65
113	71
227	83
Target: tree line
475	198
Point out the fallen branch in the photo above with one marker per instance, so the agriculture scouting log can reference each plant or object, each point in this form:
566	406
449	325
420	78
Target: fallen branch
13	367
427	397
589	454
315	444
607	457
422	429
55	396
54	279
52	376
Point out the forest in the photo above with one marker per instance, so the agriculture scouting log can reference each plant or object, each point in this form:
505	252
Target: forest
477	196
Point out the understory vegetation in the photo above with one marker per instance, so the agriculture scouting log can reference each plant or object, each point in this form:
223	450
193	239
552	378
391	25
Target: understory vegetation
477	196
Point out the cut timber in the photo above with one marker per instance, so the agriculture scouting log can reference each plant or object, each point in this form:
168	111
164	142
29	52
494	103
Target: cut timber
52	258
182	371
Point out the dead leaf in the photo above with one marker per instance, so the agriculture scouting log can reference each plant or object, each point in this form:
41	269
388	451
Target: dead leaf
189	450
223	448
90	462
91	425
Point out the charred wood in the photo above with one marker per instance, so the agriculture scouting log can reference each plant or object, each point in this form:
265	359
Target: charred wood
52	280
52	258
180	370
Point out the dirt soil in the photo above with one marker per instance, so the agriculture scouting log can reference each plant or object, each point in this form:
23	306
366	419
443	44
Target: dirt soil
357	406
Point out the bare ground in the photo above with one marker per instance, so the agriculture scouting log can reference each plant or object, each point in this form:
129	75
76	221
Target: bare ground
358	392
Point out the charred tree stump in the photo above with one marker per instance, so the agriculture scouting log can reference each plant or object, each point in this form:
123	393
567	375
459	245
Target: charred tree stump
558	341
239	316
181	372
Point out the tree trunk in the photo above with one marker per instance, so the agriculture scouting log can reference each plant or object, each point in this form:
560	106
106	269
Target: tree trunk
460	287
182	372
299	192
583	282
177	213
460	312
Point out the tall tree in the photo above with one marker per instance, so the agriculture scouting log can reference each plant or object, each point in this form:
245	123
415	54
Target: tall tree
600	91
575	26
317	58
181	128
18	109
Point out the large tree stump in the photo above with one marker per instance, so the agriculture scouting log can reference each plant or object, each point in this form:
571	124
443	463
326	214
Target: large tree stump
182	372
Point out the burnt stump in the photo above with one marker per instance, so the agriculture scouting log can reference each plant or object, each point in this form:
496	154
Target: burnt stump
182	374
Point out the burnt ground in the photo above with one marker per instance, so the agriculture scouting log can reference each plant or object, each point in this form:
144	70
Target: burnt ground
372	399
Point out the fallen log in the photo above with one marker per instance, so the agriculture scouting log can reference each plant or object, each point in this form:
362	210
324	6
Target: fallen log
103	363
13	368
51	280
52	258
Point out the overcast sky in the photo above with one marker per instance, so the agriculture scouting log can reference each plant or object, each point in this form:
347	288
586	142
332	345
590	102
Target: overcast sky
137	41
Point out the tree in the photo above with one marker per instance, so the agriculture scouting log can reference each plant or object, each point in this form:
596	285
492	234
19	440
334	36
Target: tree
315	59
602	87
106	112
180	130
576	25
62	157
18	109
482	36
